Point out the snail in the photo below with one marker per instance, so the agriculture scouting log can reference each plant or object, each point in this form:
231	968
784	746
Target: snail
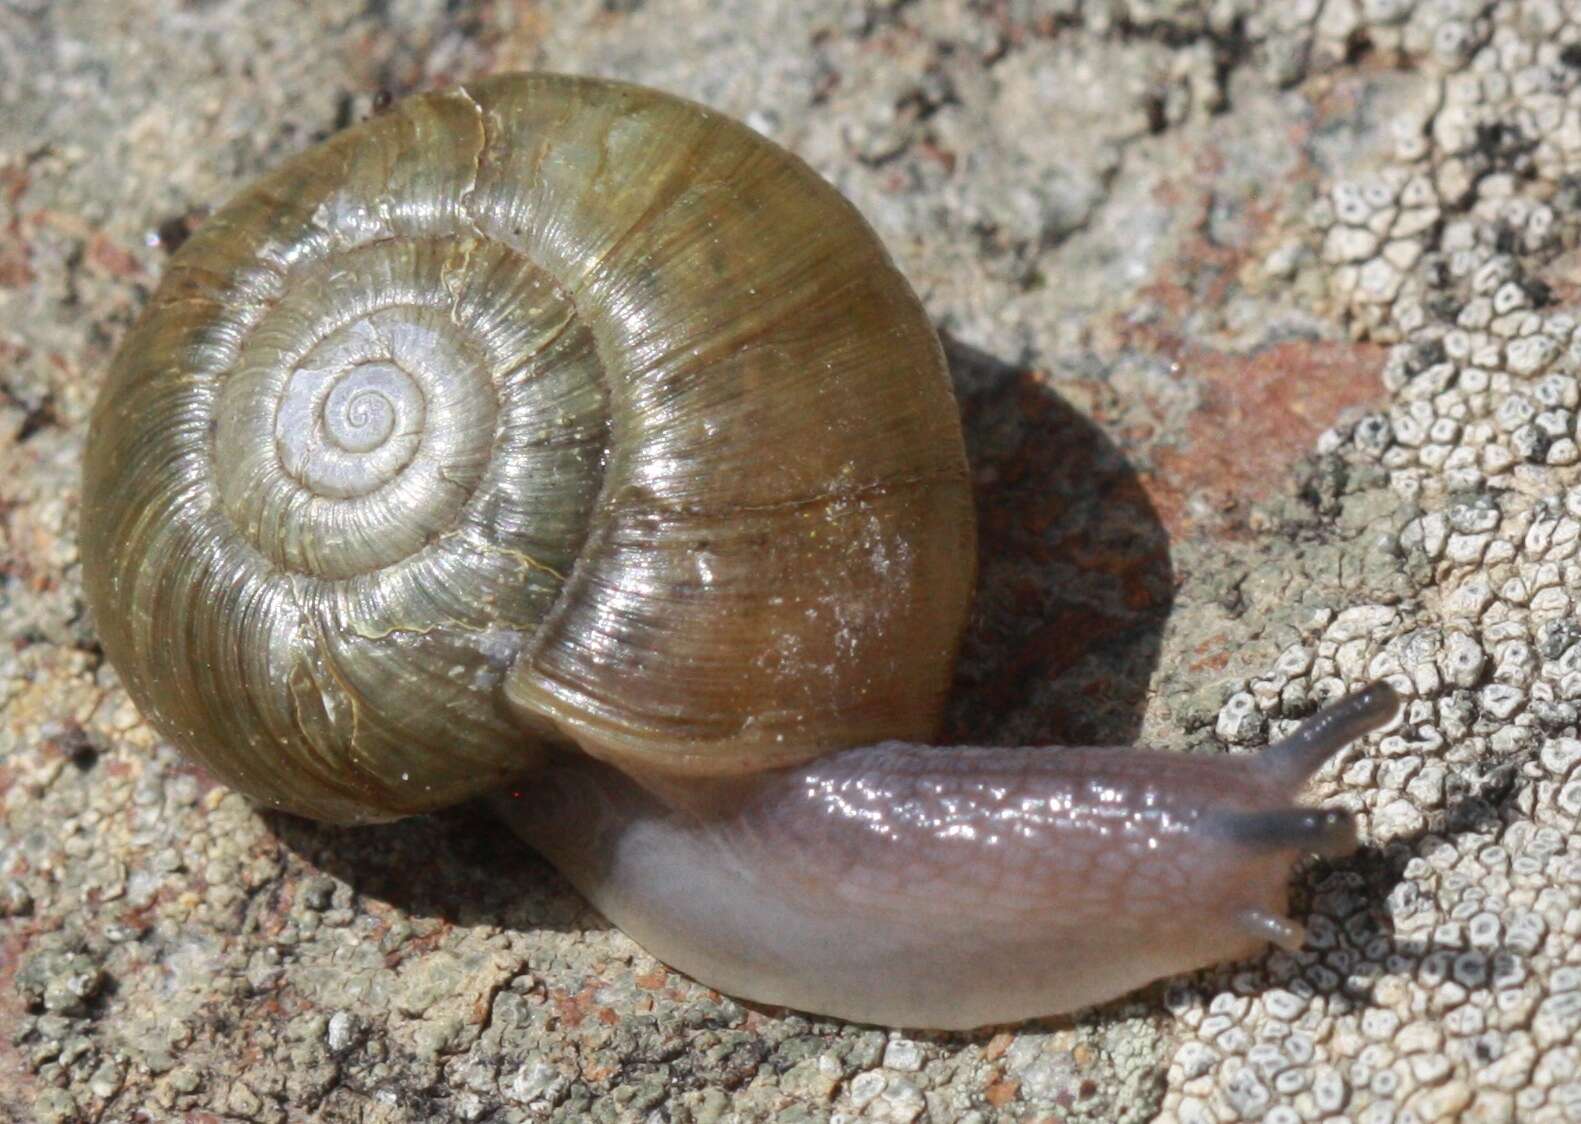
566	440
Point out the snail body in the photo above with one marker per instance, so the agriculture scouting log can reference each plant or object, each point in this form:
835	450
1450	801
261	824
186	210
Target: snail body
561	432
918	886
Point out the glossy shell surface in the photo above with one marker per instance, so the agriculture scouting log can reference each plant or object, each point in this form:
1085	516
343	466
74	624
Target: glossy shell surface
543	410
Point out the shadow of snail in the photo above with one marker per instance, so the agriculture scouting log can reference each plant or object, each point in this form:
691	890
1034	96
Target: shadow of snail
564	439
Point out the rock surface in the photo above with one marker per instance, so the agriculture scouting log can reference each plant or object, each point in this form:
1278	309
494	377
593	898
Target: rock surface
1264	322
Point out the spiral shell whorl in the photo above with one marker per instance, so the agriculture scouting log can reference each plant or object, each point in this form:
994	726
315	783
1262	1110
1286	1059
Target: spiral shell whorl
391	432
550	401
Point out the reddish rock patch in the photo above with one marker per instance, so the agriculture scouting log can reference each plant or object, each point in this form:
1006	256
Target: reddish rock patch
1259	413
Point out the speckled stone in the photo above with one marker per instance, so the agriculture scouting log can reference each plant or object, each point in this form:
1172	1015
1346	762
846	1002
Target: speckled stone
1264	322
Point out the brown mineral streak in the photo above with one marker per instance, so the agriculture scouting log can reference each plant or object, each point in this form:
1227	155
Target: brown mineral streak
1213	655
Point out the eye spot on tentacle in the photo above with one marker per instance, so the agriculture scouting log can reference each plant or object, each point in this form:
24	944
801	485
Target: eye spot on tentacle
1330	832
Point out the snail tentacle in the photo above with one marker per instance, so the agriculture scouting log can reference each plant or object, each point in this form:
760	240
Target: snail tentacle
1295	758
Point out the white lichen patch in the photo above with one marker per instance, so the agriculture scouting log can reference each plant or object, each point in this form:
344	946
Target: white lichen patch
1441	979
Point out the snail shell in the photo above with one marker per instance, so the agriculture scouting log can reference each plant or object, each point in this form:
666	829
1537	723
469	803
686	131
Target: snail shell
545	401
550	413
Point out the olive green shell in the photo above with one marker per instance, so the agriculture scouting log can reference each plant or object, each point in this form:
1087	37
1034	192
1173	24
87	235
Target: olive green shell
543	410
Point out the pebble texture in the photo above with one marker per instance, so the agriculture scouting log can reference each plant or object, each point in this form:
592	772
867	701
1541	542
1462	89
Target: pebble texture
1264	319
